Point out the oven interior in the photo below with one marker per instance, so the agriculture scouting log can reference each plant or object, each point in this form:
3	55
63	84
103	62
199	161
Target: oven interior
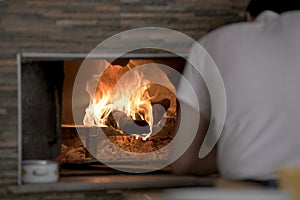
47	129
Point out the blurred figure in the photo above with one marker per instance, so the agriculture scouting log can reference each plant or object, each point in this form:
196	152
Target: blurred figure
259	61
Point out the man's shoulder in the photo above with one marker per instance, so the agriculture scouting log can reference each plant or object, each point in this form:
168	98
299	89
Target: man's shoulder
227	32
293	16
287	21
229	36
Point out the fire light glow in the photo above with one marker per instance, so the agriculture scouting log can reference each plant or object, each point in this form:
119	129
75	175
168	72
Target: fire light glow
123	89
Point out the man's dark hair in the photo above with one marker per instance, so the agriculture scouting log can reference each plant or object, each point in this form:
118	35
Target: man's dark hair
255	7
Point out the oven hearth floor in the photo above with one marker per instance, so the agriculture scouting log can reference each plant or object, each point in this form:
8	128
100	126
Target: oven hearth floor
116	182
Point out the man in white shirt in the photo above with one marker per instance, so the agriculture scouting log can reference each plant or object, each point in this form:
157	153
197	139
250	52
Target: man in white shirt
259	62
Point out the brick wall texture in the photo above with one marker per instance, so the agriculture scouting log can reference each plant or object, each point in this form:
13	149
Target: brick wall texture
74	26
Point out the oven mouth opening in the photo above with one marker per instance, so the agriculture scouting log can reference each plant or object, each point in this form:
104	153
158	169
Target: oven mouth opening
47	129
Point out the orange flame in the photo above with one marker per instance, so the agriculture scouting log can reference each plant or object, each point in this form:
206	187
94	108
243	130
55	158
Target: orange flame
119	88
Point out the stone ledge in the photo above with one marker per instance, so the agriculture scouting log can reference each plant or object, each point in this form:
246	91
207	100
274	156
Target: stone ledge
120	182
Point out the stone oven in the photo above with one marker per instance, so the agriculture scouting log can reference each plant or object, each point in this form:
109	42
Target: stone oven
48	130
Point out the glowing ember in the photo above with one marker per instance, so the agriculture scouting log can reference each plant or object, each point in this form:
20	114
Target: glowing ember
125	89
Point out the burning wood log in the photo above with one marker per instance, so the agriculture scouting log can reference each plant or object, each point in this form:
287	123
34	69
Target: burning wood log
159	110
119	120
